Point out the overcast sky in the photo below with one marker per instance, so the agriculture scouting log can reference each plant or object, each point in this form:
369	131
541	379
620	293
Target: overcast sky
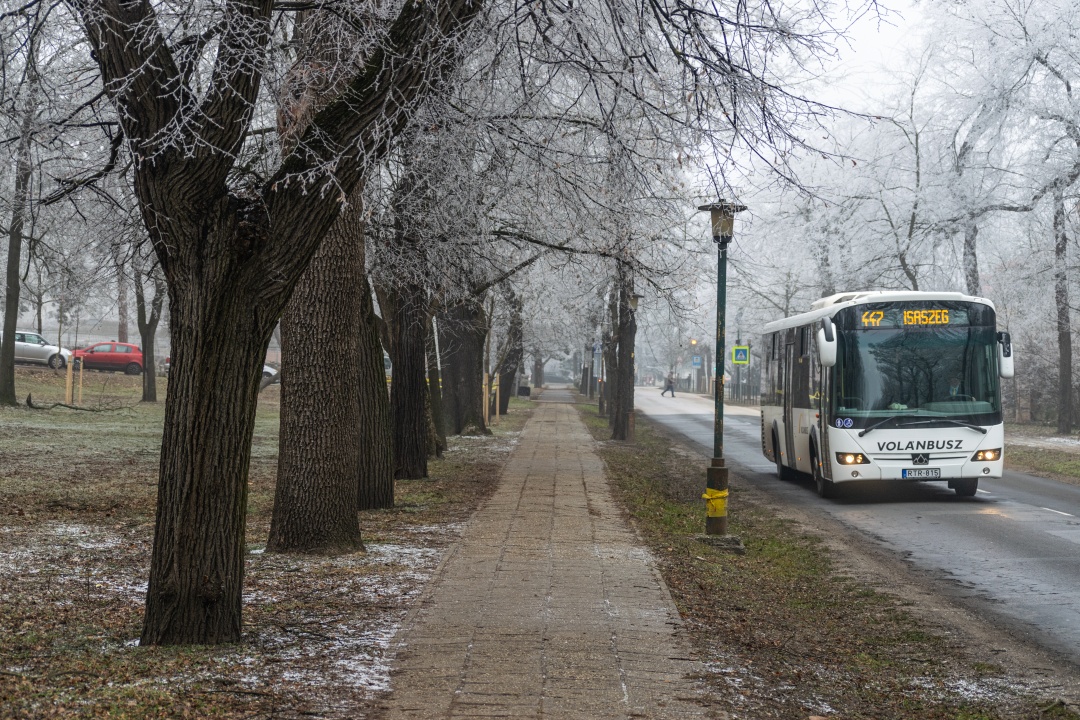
876	47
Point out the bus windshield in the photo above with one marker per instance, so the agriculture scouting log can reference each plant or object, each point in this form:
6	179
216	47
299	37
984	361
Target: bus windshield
929	371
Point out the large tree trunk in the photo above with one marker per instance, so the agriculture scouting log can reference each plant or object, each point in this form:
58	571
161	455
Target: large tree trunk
624	384
462	330
1064	321
611	358
514	354
405	311
220	331
538	369
435	402
148	323
121	297
319	448
376	476
20	204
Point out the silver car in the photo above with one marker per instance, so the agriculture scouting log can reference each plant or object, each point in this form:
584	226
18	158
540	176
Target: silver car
30	347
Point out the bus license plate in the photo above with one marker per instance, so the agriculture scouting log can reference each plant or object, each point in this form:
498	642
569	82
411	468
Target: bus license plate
921	473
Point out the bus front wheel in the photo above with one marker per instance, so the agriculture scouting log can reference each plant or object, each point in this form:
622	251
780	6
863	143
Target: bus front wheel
965	488
825	488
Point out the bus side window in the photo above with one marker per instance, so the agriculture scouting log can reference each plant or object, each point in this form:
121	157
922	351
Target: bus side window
800	370
781	366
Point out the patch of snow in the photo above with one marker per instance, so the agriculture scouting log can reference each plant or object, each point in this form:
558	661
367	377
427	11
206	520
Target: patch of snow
411	557
89	538
983	689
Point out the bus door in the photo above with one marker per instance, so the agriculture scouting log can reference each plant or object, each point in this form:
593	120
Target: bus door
790	368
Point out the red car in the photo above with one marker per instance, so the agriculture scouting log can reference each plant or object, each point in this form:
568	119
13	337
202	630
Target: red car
110	356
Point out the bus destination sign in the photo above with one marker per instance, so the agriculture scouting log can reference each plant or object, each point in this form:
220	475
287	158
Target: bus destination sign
935	316
898	317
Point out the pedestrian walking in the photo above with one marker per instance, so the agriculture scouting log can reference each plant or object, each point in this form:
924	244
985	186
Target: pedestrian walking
669	384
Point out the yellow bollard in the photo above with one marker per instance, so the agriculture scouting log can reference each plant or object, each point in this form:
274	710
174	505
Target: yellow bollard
715	503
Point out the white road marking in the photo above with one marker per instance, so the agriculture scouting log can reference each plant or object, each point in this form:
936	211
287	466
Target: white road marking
1059	512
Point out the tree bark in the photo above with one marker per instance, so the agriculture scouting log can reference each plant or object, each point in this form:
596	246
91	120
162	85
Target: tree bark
148	324
405	312
1064	321
515	351
611	358
538	369
376	472
627	331
435	402
971	258
20	205
462	330
121	297
220	333
319	448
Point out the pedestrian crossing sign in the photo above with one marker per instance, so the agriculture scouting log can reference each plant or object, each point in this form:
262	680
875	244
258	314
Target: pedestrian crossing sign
740	355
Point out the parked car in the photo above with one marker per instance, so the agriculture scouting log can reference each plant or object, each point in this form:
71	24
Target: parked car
111	356
30	347
268	370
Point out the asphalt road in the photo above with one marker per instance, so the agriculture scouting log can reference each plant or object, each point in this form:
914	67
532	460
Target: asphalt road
1013	549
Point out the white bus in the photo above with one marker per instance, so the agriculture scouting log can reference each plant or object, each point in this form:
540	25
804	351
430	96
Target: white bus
894	386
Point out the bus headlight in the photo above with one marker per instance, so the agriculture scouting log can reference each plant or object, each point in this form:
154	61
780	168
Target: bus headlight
852	459
987	455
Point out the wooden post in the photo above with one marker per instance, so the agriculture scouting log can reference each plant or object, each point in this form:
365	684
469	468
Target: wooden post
70	378
486	415
498	394
80	382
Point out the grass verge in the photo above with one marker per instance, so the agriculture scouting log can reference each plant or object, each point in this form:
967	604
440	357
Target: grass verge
1060	465
1039	450
782	633
77	498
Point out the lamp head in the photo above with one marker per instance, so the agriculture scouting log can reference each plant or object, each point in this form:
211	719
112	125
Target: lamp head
723	219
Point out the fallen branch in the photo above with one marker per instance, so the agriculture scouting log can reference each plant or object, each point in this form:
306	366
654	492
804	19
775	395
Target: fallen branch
98	408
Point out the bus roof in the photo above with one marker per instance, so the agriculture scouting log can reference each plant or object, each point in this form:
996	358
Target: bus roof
829	306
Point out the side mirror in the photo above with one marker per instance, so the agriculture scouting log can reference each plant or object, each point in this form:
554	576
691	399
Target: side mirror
826	343
1005	355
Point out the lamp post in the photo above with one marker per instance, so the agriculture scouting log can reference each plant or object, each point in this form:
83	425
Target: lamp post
696	368
716	485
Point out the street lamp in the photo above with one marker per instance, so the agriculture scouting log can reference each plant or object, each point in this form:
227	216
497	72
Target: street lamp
716	485
698	370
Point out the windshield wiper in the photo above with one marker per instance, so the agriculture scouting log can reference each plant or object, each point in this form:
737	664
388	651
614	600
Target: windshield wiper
878	424
947	420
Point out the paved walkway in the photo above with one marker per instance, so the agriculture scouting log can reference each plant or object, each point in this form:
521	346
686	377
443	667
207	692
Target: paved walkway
548	606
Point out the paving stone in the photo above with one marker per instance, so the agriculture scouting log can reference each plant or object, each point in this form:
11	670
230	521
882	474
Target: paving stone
549	606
